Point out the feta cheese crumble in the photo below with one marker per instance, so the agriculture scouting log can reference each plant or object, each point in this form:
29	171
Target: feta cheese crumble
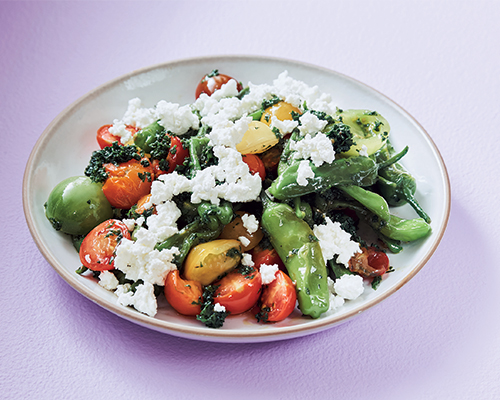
268	273
318	149
219	307
303	172
333	240
250	223
349	287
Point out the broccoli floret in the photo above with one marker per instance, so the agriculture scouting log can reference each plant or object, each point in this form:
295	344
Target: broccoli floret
208	315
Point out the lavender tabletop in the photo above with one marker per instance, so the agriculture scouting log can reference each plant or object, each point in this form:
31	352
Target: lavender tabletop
436	338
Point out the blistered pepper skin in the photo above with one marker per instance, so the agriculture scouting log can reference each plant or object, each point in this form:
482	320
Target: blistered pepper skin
359	171
301	253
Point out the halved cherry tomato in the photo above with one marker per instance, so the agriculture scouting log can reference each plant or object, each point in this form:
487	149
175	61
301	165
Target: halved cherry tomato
239	292
176	156
183	295
98	247
235	230
127	182
271	158
369	263
105	138
255	165
212	82
278	299
141	204
268	257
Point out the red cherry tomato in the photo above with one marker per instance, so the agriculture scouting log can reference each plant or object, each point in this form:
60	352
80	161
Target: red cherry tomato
105	138
277	299
98	247
212	82
127	183
255	165
268	257
183	295
369	263
176	156
238	292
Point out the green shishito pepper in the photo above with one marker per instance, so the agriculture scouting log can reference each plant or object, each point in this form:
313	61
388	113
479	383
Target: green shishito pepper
299	249
205	227
359	171
396	184
147	135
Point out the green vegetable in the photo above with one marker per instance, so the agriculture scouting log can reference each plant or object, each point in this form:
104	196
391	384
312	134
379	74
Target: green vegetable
201	154
77	205
396	184
204	228
145	138
208	315
368	128
405	230
359	171
213	216
371	200
299	249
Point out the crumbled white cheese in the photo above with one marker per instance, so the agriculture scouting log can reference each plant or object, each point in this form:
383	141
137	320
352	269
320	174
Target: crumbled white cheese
303	172
140	260
138	116
310	124
333	240
318	149
129	223
176	119
336	302
363	151
268	273
350	287
246	260
120	129
244	240
250	223
143	299
228	133
285	127
219	307
108	280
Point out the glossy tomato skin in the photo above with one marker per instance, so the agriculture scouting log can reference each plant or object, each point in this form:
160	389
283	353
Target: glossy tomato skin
98	247
268	257
76	205
183	295
369	263
176	156
105	138
239	290
212	82
278	299
127	183
255	165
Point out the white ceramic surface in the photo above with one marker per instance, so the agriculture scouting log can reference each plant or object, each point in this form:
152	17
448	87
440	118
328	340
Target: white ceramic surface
65	147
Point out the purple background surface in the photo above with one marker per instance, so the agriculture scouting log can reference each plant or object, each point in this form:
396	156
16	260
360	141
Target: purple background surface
436	338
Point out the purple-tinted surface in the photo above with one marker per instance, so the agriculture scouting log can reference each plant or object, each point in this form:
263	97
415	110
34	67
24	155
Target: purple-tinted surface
437	338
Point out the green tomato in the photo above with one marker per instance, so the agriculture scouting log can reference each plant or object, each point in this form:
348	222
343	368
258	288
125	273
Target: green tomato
77	205
368	128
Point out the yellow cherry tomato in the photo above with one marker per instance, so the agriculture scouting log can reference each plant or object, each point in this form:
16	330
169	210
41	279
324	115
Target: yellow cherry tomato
257	139
207	261
281	110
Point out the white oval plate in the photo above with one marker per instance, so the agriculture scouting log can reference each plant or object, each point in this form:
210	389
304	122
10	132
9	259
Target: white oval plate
64	149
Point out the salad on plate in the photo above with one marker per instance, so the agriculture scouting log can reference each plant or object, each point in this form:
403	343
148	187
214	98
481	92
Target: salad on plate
257	198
